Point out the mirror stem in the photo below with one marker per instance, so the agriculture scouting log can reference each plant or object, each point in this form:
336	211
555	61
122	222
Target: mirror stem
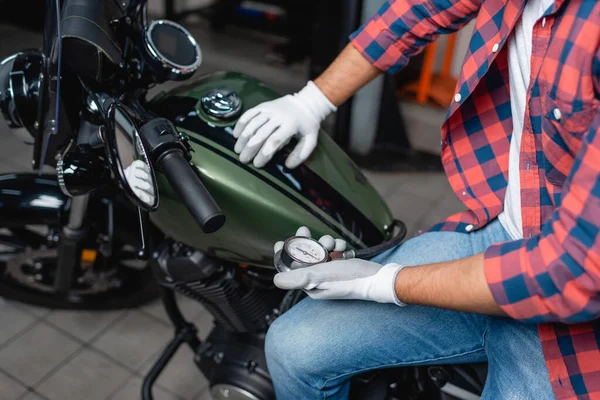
143	252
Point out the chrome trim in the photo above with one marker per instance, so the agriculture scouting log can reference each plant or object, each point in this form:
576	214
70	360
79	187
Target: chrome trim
158	56
224	391
9	58
61	178
458	392
145	14
91	104
221	103
7	101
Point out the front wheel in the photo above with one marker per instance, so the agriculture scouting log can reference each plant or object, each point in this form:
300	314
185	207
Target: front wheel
102	280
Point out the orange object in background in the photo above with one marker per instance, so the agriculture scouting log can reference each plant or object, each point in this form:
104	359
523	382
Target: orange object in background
431	88
88	257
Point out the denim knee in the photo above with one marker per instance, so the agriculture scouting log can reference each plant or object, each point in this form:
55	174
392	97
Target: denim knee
291	350
273	344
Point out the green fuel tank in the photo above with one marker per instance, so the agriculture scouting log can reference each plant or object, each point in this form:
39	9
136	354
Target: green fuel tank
329	194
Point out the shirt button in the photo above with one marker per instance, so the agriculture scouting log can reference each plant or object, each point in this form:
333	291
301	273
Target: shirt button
464	193
457	97
544	22
557	114
495	48
469	228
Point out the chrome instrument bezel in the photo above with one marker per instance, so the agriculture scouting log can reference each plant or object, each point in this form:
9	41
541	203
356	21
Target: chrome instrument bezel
178	70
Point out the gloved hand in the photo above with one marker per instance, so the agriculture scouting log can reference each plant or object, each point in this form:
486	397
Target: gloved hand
354	279
139	179
266	128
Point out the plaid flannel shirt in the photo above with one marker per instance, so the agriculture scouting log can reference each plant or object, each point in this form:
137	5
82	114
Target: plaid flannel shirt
552	276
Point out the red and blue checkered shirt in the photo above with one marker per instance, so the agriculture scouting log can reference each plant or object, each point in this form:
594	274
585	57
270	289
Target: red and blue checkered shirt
552	276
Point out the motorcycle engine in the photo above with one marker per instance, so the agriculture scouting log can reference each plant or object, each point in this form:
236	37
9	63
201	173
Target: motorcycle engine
232	357
235	365
235	304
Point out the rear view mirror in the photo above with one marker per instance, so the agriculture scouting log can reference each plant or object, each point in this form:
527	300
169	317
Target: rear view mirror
128	159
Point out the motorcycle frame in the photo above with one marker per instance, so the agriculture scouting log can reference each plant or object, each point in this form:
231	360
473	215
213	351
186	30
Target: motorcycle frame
185	332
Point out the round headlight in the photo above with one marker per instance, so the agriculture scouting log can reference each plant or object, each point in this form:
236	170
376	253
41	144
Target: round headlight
21	80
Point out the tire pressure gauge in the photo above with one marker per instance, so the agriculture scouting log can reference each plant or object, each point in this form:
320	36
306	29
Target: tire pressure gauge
299	252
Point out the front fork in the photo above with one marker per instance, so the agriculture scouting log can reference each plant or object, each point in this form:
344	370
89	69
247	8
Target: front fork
69	249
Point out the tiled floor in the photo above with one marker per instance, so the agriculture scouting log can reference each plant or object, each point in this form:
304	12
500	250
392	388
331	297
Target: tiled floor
60	355
92	355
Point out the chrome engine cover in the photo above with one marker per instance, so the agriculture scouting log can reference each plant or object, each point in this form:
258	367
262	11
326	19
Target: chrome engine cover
229	392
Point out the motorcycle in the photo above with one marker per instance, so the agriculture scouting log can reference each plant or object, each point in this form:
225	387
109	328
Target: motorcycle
83	102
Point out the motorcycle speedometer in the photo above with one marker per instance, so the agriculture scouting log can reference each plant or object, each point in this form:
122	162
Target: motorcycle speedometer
299	252
170	50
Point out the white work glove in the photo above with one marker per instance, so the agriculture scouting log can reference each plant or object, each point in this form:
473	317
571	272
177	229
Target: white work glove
139	179
266	128
353	279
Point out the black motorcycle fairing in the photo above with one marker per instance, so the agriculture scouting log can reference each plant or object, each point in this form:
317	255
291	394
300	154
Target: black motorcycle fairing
30	199
87	36
56	120
34	199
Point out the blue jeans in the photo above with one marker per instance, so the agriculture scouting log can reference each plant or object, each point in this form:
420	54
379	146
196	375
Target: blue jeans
316	347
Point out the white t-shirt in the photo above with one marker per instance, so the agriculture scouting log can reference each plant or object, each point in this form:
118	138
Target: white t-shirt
519	70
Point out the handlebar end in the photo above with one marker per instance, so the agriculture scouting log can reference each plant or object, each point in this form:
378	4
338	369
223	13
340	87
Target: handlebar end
213	222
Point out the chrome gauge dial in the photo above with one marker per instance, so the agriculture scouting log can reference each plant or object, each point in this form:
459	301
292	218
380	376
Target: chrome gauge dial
299	252
305	250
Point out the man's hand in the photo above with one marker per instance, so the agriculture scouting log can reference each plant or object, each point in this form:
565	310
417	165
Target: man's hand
345	279
353	279
139	179
266	128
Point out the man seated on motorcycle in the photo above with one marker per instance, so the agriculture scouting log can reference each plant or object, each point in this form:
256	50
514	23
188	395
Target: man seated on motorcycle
521	148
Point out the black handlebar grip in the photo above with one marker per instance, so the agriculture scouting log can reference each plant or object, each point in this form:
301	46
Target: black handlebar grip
191	190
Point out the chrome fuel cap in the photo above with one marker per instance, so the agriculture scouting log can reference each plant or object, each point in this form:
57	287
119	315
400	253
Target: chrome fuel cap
221	103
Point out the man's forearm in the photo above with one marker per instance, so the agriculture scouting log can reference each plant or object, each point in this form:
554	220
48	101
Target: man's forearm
456	285
349	72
